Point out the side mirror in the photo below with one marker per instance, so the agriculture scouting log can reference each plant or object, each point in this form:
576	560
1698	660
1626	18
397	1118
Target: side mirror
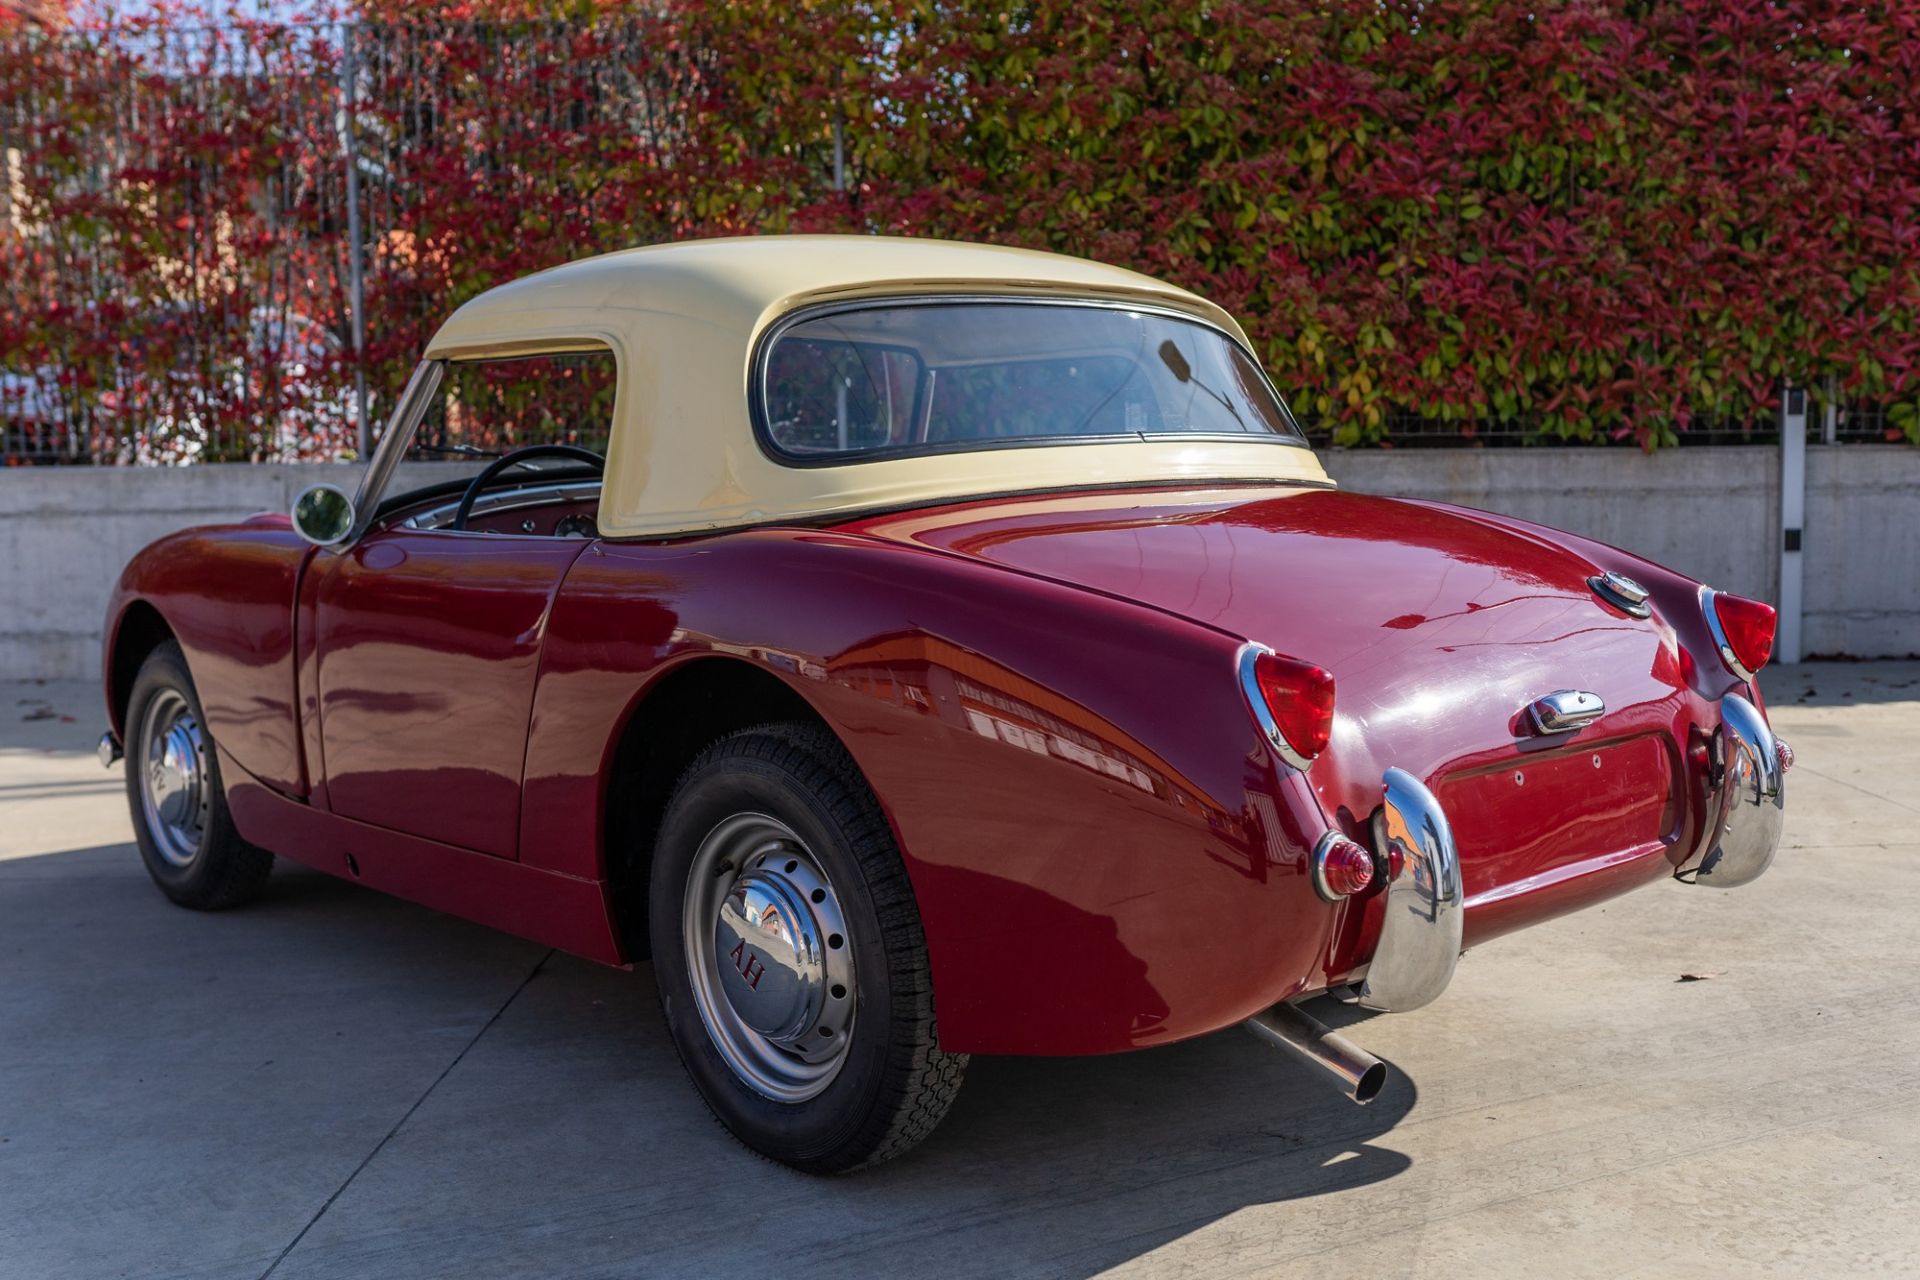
323	515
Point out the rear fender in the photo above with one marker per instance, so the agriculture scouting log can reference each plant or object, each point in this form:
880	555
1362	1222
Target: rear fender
1084	805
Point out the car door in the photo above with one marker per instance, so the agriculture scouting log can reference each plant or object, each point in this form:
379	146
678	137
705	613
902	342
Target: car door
428	646
427	639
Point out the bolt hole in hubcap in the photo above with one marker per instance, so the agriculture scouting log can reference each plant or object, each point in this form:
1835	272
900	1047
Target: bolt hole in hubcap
766	956
174	791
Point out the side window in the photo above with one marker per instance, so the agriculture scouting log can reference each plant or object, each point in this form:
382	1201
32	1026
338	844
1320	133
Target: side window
491	407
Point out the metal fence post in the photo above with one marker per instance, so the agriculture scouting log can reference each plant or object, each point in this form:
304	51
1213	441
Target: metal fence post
839	152
1793	509
356	282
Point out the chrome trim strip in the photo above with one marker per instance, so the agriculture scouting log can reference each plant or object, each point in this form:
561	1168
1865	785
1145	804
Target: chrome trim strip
1719	634
1424	911
1250	688
394	441
1746	793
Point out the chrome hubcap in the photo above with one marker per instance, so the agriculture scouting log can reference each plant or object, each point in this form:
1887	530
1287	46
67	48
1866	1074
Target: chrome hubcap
769	956
174	790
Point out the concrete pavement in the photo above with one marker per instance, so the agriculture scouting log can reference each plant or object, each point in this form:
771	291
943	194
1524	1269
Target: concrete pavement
330	1083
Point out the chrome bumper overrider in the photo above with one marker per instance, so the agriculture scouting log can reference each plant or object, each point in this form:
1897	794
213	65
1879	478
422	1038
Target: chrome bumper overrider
1747	797
1419	936
108	750
1425	907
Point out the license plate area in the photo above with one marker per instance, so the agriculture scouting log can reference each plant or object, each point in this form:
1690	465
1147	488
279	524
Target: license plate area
1543	815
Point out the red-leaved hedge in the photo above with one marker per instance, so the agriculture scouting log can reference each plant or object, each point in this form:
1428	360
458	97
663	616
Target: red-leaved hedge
1582	220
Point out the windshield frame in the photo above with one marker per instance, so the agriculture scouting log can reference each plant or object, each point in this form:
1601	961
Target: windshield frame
759	368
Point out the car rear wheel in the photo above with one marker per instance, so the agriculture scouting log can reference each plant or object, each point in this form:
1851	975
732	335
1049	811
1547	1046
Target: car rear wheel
180	820
790	958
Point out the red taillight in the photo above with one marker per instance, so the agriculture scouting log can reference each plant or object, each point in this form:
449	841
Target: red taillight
1341	867
1744	632
1297	698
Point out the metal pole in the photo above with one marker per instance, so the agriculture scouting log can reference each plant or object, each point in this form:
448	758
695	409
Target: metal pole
1793	508
840	413
839	152
356	283
1830	413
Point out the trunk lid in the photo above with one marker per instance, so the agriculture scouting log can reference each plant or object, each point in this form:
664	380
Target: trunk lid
1440	631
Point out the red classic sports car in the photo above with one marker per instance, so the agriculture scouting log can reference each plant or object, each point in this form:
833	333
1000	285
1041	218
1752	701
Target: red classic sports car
919	650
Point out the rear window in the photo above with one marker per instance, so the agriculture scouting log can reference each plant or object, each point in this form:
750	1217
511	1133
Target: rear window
904	378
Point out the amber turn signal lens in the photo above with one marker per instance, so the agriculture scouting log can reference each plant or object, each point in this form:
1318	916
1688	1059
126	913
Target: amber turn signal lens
1747	626
1300	697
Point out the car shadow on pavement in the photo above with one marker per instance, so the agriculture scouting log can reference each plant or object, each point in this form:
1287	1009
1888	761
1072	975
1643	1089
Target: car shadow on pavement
548	1126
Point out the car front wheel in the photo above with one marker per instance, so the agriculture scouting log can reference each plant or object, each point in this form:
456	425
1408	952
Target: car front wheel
790	958
180	820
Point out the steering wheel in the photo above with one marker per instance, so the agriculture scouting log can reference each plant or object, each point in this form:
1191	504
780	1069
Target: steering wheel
478	484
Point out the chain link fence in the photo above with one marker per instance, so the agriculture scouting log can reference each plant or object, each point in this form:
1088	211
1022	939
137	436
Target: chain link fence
169	247
227	244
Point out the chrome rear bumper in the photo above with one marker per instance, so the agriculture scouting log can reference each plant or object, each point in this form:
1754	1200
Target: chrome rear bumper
1424	912
1746	796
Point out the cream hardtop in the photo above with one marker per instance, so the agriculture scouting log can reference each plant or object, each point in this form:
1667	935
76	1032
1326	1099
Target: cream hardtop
683	321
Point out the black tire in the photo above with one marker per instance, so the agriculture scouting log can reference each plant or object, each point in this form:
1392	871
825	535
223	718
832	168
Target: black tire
894	1082
215	869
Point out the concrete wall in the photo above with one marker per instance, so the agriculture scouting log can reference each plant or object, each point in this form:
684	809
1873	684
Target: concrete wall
66	532
1863	552
1713	514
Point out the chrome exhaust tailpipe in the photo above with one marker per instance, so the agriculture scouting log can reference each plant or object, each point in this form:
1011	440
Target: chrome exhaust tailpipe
1361	1075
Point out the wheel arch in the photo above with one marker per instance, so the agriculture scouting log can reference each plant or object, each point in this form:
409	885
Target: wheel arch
676	715
137	632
